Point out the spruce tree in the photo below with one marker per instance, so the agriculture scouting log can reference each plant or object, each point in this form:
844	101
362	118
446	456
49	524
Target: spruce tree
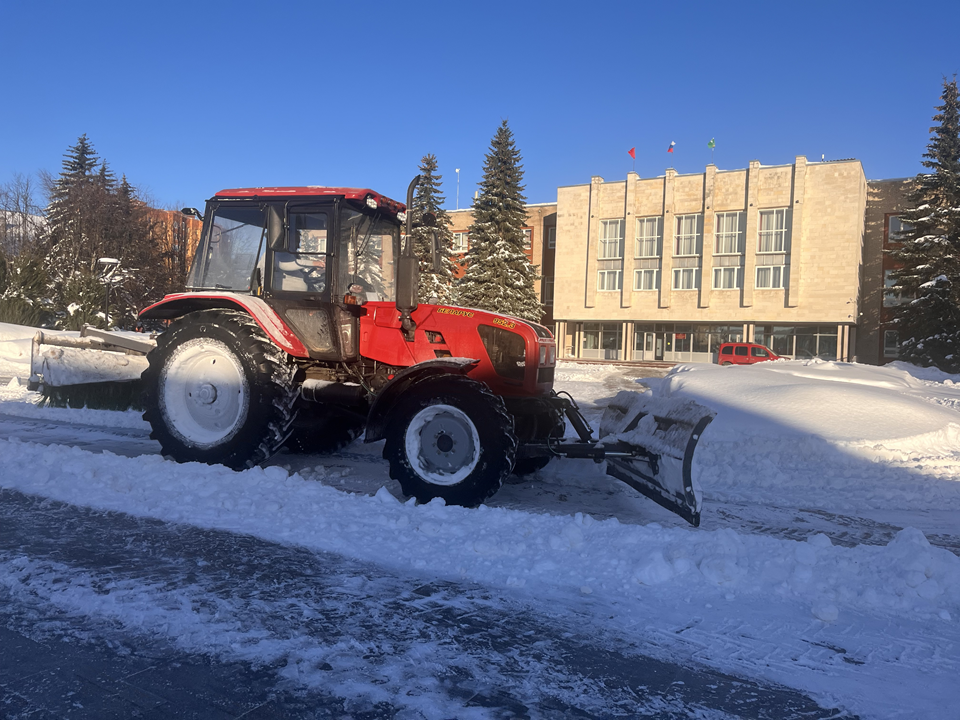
91	216
499	277
929	323
434	285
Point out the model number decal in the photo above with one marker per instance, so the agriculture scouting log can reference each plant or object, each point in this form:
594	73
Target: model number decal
505	323
453	311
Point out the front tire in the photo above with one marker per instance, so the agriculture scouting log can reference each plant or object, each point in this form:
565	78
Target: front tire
449	437
218	391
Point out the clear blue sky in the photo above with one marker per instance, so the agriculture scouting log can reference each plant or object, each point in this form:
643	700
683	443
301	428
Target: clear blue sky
189	98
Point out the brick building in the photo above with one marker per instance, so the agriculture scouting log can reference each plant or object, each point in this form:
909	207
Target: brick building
667	268
878	341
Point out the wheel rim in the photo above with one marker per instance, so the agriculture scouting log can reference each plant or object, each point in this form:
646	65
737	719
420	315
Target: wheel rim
204	393
442	444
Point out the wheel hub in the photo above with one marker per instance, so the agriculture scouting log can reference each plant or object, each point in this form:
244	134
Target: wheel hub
442	444
204	393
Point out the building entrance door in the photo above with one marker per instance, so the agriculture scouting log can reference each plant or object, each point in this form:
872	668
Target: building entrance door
658	355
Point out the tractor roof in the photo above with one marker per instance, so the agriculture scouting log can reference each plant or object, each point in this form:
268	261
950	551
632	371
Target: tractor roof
360	194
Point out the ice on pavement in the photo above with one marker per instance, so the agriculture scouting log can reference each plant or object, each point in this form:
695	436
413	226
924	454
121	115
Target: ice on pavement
871	629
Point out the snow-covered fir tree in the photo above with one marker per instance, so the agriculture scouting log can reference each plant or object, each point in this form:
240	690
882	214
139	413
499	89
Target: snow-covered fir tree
91	216
499	277
929	279
428	198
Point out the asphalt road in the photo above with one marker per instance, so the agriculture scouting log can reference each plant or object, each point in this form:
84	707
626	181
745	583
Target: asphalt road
533	662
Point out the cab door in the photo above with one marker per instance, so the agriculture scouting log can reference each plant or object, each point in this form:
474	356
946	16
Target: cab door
299	279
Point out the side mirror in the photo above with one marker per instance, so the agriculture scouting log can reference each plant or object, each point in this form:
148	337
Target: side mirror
276	237
192	212
427	219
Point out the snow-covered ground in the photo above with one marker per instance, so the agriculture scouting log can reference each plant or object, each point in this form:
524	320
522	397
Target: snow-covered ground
827	559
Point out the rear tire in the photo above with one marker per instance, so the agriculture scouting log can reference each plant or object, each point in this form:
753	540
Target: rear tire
218	391
449	437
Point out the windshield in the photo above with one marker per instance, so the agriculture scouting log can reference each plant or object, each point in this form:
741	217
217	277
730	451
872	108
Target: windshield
369	245
230	251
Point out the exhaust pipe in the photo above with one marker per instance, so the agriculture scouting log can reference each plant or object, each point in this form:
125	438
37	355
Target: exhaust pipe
408	272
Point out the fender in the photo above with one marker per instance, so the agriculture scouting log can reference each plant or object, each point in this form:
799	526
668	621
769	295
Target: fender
390	394
179	304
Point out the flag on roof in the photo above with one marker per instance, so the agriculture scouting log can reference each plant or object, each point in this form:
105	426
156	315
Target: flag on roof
632	153
711	144
670	149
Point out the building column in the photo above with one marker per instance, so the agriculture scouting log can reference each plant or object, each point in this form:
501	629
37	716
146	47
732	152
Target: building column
629	238
709	236
796	231
593	226
628	340
752	236
669	228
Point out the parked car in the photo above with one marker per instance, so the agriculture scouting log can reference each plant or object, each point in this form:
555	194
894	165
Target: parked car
741	353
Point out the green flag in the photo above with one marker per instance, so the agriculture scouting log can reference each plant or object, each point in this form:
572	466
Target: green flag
711	144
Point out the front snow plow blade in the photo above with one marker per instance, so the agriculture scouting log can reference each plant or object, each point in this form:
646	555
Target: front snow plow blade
660	435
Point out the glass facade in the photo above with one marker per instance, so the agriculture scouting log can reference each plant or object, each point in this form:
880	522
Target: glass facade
799	341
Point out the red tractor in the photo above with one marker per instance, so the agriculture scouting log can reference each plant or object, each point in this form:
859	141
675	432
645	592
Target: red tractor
301	327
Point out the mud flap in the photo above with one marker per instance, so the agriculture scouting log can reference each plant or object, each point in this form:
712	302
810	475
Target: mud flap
663	432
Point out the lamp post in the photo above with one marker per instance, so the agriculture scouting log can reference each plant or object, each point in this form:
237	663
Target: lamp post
458	188
111	264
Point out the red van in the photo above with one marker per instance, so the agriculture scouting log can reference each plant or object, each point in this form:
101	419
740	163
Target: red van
740	353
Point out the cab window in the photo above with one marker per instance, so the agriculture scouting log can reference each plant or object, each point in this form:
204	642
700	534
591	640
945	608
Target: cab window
304	268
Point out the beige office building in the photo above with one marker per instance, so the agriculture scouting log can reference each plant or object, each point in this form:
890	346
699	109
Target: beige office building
667	268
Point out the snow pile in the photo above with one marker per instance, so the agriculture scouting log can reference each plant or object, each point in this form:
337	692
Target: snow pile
824	434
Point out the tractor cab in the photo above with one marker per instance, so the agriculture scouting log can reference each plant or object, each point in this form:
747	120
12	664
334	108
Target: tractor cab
324	243
314	254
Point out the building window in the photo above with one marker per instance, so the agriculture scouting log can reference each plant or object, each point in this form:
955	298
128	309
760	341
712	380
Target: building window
551	237
773	231
603	341
771	277
727	278
608	280
546	292
460	242
729	233
611	239
687	241
891	296
686	278
649	234
896	229
891	344
646	279
527	238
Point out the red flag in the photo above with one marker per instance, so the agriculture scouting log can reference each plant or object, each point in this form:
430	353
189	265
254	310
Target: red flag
632	153
670	149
